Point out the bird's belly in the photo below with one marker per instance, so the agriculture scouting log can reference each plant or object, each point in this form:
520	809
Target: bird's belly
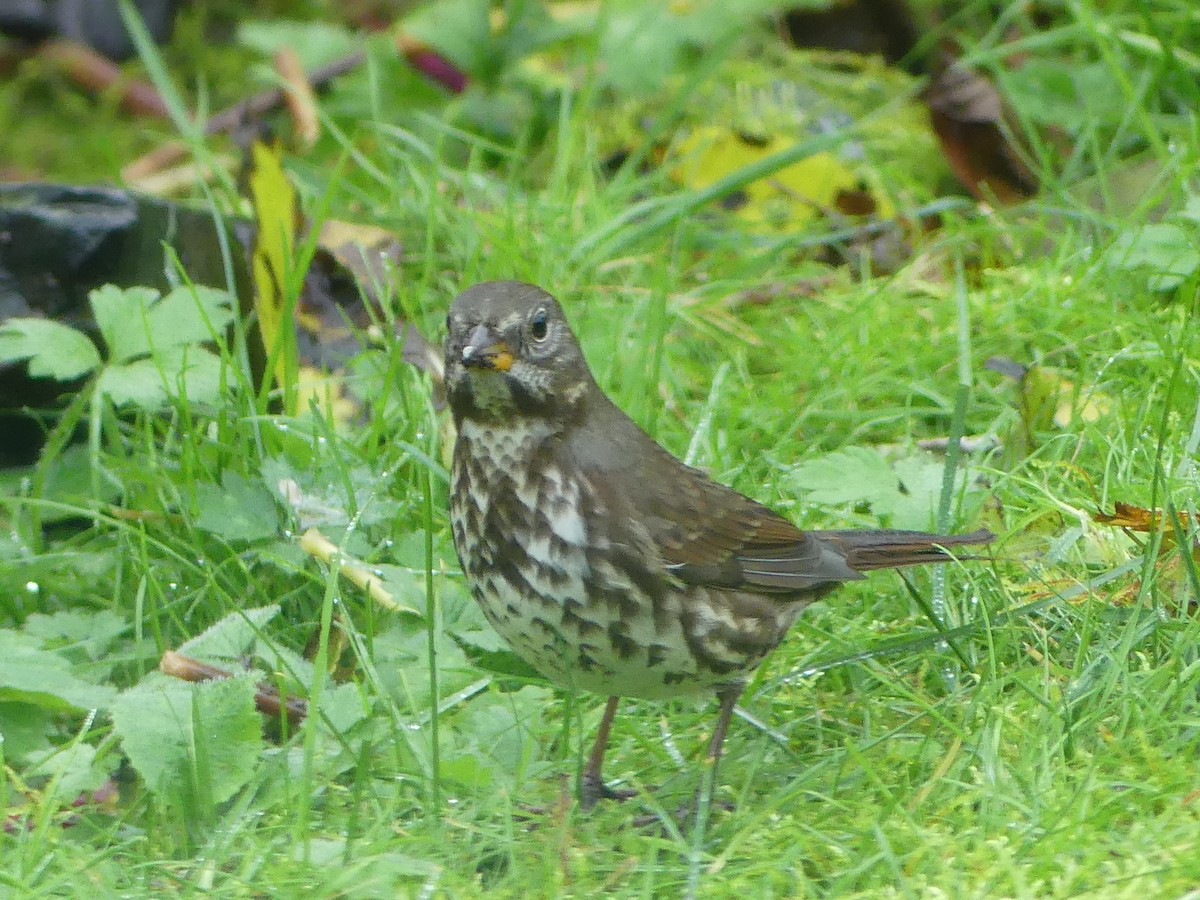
575	650
598	634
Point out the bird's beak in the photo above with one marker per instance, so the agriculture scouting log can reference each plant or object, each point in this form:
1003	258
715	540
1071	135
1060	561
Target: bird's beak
484	350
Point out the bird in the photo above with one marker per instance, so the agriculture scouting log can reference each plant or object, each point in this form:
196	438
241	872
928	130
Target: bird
606	563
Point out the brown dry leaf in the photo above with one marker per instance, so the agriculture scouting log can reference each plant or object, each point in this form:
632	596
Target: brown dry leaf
1168	575
366	250
968	113
1138	518
976	132
1169	571
300	97
96	72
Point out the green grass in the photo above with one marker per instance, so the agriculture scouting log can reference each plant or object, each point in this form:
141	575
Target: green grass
1049	753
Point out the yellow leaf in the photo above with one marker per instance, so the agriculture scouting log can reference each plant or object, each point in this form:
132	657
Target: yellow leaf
786	200
275	214
1048	397
328	392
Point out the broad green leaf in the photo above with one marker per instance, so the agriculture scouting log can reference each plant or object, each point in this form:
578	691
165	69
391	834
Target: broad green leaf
406	585
1068	96
196	374
1191	209
640	47
343	706
192	372
88	634
188	315
121	317
73	480
53	350
190	741
30	674
138	383
401	657
907	493
136	323
915	505
502	724
306	485
377	869
240	636
483	640
497	745
234	636
238	510
460	30
26	729
75	767
492	653
1167	252
852	475
316	43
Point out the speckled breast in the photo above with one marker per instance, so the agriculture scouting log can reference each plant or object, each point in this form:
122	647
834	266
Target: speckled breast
574	596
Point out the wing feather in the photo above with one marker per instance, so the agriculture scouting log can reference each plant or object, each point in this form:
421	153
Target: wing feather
707	533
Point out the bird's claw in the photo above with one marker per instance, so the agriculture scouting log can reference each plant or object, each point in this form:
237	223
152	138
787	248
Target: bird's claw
592	790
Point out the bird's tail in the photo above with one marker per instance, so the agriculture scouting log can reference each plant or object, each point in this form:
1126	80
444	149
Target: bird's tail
892	549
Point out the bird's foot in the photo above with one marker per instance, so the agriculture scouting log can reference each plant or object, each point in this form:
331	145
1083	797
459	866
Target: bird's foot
592	790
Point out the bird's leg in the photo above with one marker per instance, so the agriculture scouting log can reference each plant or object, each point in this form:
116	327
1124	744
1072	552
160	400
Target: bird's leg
728	696
591	785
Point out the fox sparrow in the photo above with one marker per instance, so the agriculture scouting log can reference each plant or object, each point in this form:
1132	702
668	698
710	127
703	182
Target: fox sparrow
608	564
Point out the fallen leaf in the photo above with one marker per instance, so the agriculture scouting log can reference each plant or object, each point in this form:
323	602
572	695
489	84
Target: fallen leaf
976	131
1138	518
299	95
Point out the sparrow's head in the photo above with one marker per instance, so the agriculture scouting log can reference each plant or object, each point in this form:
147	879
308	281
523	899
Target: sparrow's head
510	352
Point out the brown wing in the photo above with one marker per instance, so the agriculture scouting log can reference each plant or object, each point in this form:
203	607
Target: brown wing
707	533
710	534
703	531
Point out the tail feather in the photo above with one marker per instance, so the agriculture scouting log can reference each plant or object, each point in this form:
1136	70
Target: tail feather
892	548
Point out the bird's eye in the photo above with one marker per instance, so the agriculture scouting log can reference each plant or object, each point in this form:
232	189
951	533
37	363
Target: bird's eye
537	325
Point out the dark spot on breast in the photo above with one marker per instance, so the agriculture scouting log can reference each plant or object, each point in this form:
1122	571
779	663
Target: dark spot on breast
625	646
572	619
621	602
700	646
656	654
